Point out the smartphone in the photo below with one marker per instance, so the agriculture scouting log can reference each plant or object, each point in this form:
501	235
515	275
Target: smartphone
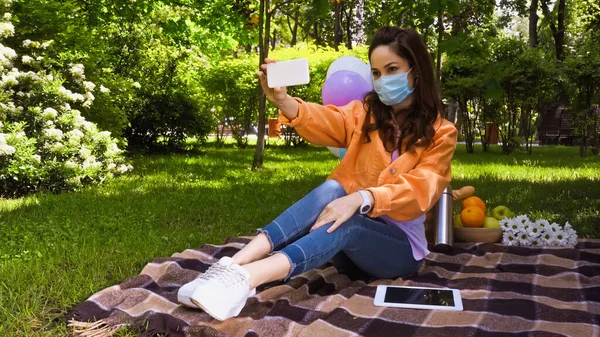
418	298
288	73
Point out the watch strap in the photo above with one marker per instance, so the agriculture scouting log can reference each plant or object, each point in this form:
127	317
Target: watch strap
366	204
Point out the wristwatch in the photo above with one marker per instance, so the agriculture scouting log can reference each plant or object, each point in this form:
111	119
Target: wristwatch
366	204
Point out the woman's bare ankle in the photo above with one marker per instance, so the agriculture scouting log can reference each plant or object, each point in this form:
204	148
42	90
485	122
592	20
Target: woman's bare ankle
257	249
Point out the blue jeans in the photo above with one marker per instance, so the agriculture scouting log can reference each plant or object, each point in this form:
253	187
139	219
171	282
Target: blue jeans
380	249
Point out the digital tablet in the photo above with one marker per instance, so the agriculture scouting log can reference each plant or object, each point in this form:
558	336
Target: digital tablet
418	298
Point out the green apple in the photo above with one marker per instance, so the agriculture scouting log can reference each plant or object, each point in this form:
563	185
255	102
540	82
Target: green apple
501	212
457	222
491	222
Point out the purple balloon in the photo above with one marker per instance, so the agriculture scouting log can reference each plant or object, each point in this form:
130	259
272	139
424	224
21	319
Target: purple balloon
344	86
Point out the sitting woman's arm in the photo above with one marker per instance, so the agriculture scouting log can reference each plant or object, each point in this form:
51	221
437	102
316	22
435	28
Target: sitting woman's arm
324	125
318	124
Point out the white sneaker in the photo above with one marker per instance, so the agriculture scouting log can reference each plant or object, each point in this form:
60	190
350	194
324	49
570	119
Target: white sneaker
184	293
224	294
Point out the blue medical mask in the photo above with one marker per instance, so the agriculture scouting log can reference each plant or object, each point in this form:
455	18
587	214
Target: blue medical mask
393	89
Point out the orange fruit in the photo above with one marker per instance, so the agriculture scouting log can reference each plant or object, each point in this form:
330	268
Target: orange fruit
474	201
472	216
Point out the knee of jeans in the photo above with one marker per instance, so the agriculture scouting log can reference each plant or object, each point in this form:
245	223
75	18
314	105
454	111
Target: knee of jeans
332	187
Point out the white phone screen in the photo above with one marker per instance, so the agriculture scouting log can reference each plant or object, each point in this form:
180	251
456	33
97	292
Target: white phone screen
288	73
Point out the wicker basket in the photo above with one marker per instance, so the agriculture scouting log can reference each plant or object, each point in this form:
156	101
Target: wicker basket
465	234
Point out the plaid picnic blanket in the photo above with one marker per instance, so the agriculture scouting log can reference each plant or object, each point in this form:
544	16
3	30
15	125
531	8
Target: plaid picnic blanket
506	291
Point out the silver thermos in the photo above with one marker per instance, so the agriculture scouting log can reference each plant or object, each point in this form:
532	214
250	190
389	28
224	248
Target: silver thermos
443	218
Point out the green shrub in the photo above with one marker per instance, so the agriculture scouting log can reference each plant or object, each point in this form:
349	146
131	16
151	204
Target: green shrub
165	121
45	143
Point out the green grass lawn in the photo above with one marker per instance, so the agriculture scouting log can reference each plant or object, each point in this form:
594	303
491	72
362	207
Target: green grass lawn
57	250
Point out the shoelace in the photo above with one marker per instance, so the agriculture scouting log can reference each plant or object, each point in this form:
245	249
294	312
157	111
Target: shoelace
213	271
232	278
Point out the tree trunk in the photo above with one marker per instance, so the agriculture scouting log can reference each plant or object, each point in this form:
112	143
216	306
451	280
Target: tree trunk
360	14
533	21
558	30
337	30
262	99
294	29
560	38
439	41
452	107
274	39
348	15
467	123
316	35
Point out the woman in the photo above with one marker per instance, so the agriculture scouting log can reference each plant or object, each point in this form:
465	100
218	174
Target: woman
372	206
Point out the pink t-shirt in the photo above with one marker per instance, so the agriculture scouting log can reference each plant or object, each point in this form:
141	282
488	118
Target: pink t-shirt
414	229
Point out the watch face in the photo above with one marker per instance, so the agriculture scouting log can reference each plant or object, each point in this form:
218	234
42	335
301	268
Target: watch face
365	209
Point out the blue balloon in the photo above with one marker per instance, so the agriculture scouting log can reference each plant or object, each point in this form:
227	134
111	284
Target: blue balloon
338	152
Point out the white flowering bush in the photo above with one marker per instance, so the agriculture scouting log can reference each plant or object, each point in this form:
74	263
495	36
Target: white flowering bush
521	231
45	143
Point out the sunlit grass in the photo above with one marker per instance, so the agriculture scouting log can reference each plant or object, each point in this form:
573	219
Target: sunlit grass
57	250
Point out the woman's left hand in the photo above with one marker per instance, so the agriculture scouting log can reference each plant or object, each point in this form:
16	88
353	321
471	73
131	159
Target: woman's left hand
339	211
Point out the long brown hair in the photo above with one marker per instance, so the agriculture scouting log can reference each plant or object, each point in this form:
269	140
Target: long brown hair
417	128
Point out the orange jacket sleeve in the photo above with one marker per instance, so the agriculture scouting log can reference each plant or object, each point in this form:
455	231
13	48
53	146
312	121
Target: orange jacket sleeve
413	193
327	125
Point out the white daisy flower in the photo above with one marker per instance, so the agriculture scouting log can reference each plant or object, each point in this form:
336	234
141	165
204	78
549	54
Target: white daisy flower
509	239
521	219
549	238
527	224
515	226
523	237
505	223
569	229
534	230
542	223
561	237
554	227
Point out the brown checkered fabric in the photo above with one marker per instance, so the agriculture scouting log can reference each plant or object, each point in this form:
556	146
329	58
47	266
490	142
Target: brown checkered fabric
506	291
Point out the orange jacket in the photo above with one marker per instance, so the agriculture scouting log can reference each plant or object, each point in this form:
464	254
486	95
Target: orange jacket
404	189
